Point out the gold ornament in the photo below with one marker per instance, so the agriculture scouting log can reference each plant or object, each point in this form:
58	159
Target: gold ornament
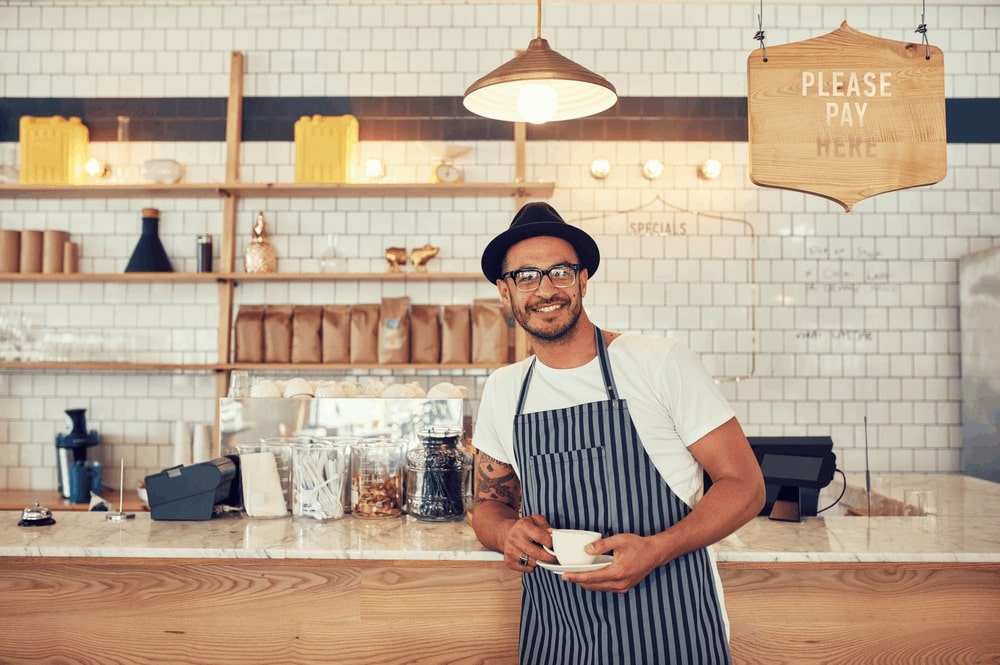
395	257
421	255
259	255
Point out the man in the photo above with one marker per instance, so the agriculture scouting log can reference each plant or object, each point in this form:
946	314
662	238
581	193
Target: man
607	432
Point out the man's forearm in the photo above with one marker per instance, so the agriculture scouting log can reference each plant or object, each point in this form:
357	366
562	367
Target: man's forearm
736	496
491	520
722	510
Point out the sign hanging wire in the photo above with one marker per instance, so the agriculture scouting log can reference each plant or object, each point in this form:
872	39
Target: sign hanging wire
922	30
760	30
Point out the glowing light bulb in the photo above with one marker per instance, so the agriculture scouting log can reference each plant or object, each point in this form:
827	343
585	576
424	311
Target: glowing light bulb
374	169
537	103
652	169
600	169
711	169
93	167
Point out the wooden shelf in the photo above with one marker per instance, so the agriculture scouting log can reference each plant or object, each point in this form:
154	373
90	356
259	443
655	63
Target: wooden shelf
187	191
115	366
230	194
395	190
352	276
341	367
138	277
211	277
105	366
283	190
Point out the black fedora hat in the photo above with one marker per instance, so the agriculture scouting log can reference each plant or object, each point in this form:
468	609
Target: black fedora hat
539	219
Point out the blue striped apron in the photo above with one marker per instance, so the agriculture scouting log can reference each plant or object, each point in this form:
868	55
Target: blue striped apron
584	467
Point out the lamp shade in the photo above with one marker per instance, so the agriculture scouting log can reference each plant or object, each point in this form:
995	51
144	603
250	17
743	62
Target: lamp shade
579	92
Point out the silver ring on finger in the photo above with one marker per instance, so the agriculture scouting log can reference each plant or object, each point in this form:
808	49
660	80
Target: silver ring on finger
523	561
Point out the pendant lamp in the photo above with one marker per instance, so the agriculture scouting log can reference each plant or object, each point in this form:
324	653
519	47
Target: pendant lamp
539	85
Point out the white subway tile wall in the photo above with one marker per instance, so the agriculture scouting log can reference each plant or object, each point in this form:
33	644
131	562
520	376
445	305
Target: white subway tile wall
814	319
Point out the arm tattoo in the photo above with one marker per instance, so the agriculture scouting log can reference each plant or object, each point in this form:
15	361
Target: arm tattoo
496	481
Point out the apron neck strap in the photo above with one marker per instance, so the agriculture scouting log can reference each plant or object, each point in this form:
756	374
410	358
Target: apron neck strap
524	387
602	356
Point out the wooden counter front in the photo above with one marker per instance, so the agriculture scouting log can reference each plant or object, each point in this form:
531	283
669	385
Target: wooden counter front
861	613
247	611
893	590
100	611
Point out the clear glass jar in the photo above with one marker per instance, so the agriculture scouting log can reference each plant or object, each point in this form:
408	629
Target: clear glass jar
377	478
329	260
266	475
438	476
319	473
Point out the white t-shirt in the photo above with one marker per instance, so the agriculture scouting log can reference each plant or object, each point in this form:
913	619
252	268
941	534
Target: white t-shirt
671	397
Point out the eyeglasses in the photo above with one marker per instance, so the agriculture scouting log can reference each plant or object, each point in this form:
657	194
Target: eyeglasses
561	275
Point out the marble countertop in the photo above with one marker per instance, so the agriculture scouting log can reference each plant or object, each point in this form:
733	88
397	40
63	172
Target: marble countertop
961	531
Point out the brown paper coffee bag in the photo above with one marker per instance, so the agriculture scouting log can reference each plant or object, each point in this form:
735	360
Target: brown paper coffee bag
364	333
336	333
278	334
490	332
394	331
307	331
248	334
456	334
425	334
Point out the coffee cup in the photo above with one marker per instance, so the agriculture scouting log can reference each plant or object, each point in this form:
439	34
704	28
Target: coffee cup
568	546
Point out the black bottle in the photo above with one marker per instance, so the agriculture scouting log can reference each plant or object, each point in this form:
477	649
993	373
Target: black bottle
149	255
205	253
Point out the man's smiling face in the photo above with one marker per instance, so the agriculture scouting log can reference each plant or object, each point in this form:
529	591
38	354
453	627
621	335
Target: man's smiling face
548	313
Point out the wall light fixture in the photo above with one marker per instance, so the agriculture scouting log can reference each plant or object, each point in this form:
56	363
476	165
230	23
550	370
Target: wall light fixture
710	169
95	168
600	169
374	169
652	169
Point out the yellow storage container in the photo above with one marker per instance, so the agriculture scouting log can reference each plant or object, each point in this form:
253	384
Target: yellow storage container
326	148
54	150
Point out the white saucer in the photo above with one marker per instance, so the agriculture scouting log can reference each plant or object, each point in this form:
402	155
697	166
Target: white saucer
602	562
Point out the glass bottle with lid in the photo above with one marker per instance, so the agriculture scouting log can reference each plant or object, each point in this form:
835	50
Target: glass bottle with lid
438	478
329	261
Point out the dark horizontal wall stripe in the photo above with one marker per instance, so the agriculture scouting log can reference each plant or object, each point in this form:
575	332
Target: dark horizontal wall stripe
164	119
973	120
436	118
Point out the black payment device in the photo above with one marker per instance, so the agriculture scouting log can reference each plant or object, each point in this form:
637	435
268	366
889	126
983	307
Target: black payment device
795	468
791	464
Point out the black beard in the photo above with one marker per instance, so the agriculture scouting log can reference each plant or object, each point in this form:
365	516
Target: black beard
523	317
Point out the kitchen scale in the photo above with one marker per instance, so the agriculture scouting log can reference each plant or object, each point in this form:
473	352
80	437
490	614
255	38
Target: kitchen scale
446	171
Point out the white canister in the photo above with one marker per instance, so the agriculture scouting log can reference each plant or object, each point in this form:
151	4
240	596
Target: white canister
181	444
201	443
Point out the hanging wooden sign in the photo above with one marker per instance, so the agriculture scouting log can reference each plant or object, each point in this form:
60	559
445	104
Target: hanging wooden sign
846	116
